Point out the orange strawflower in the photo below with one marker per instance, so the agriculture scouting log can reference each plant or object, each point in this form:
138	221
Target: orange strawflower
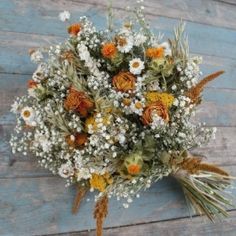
124	81
109	50
155	52
74	29
32	84
81	139
77	140
134	169
78	101
155	108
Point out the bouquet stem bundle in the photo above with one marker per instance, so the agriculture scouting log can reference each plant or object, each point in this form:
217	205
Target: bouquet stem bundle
204	187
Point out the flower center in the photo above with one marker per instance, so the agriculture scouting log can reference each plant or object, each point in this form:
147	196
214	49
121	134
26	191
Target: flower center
138	105
134	169
135	64
26	114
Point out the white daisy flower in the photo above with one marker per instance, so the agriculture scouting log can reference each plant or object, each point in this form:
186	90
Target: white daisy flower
125	43
27	113
64	16
66	170
166	47
136	66
136	107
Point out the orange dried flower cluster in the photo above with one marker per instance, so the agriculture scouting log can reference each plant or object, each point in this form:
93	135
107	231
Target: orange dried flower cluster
32	84
74	29
77	141
78	101
155	52
134	169
109	50
194	164
155	108
124	81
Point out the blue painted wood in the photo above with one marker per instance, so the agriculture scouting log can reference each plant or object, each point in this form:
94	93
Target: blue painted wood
44	202
202	37
184	227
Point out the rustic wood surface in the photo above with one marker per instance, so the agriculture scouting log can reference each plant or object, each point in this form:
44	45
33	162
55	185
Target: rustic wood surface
33	201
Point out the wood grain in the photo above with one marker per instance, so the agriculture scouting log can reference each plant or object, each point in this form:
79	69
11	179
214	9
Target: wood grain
196	226
42	206
217	13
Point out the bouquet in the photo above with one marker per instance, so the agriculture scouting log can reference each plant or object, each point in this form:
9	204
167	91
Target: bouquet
112	111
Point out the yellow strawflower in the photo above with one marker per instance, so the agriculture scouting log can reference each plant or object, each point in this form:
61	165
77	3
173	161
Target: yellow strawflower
166	98
100	182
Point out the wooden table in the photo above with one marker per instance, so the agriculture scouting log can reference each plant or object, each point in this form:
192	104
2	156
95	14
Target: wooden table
33	201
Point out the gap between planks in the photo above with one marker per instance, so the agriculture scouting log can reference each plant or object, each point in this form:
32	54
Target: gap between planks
174	226
228	2
186	12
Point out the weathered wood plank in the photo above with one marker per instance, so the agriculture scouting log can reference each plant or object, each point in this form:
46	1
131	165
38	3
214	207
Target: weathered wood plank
210	12
206	12
184	227
19	13
216	108
32	206
14	47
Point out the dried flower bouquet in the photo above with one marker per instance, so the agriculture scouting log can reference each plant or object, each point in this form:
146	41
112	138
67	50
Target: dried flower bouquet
111	111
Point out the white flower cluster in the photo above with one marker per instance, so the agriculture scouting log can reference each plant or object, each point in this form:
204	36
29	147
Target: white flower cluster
191	73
